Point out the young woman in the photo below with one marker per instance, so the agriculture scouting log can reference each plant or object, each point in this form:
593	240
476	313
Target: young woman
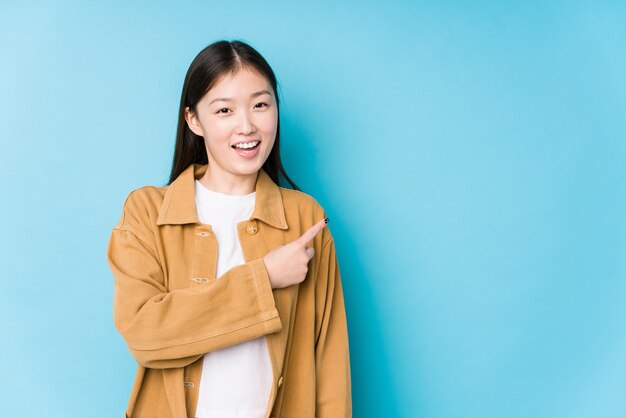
227	289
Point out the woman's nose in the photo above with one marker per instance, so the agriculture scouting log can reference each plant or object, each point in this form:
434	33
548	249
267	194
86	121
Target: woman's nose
246	124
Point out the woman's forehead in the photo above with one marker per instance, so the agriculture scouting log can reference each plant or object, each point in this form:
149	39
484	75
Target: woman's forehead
244	84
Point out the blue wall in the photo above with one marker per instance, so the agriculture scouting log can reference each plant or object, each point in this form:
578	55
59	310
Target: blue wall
471	157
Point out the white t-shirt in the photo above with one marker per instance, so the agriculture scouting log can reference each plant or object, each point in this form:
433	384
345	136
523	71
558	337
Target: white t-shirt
236	381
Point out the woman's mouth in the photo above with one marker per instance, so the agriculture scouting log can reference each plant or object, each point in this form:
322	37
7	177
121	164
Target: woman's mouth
247	149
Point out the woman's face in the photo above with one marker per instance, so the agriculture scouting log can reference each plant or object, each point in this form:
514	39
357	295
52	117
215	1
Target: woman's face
238	108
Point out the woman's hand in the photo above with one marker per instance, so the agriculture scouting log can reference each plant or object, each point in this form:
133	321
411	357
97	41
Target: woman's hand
288	264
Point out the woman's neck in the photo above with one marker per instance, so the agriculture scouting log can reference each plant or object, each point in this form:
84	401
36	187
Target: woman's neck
229	183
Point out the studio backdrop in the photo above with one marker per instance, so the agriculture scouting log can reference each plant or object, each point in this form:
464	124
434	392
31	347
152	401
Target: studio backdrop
471	157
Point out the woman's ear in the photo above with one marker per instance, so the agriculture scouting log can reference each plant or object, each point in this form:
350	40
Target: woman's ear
192	122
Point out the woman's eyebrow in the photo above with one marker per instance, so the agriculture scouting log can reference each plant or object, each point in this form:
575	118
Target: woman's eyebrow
228	99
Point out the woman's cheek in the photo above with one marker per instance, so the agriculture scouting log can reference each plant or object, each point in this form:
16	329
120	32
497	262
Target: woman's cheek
222	130
268	123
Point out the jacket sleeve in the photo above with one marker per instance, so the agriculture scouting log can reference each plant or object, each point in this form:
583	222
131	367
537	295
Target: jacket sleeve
332	356
173	329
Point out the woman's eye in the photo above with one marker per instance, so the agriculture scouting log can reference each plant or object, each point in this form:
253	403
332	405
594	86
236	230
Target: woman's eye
264	104
220	111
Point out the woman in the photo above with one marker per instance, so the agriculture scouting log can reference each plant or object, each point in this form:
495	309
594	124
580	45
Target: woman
227	287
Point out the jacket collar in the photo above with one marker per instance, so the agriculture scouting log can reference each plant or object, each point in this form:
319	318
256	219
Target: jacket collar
179	204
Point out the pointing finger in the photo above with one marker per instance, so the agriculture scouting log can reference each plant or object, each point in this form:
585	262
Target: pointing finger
312	232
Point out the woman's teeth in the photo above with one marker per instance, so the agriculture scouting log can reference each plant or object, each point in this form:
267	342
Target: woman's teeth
247	145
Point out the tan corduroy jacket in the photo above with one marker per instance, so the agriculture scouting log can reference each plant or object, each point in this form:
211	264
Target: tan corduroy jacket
170	308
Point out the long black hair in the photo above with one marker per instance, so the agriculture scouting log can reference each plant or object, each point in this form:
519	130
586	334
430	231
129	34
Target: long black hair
217	59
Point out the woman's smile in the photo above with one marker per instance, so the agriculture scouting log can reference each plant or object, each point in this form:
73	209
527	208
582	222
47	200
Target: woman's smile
247	150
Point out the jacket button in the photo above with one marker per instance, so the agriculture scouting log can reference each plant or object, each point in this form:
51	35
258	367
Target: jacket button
280	381
189	384
204	234
200	279
252	229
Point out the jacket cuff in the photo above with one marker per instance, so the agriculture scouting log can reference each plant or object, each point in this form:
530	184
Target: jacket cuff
266	300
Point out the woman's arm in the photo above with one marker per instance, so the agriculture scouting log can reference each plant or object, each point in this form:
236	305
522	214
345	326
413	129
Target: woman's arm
173	329
332	354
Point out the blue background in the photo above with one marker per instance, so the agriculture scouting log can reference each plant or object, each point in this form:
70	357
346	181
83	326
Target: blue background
471	157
